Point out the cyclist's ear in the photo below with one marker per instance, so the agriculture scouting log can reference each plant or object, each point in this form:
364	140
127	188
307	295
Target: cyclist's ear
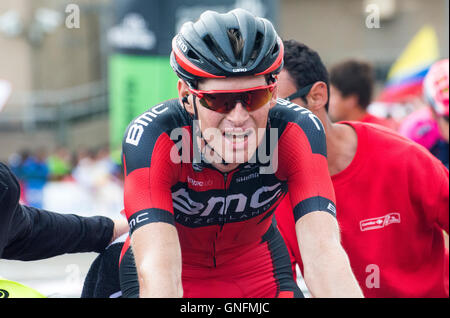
183	96
317	97
273	100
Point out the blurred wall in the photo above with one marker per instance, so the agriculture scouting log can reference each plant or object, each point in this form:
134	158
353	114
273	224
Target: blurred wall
82	135
69	57
45	66
337	29
15	53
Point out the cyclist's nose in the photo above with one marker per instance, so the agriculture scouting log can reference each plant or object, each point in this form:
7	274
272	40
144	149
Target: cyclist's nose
238	115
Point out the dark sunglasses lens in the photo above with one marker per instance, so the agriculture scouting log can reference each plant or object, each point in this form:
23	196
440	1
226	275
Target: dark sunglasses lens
257	99
225	102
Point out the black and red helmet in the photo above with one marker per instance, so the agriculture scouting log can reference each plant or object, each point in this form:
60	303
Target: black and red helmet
204	50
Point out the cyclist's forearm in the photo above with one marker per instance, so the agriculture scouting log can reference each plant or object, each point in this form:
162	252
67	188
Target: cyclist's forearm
160	282
330	275
327	269
158	260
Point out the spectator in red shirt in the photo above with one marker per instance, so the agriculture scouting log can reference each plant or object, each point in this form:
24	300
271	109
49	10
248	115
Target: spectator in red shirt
351	90
392	195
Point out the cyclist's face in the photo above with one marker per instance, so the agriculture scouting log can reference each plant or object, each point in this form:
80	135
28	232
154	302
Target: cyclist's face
236	135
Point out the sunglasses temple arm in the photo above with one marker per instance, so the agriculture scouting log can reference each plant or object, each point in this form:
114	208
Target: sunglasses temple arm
302	92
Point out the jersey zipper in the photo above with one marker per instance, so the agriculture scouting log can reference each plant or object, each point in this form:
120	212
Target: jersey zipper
225	179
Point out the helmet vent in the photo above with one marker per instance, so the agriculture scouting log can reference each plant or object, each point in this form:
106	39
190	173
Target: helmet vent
193	56
214	48
276	48
236	41
257	47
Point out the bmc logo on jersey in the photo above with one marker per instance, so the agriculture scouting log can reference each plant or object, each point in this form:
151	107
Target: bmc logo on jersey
137	129
302	110
379	222
233	207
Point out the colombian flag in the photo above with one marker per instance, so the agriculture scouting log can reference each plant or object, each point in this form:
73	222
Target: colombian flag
406	75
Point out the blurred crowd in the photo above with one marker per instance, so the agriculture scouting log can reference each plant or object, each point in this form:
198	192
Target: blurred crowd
84	181
418	108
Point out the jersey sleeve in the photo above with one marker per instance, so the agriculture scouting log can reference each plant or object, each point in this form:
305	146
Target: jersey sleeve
150	170
303	163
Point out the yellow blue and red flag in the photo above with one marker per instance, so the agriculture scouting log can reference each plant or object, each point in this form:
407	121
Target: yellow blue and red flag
406	75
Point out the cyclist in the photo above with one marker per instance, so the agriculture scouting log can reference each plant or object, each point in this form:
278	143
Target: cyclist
392	195
200	201
429	126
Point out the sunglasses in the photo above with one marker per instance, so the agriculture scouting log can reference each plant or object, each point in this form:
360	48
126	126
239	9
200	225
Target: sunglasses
302	92
223	101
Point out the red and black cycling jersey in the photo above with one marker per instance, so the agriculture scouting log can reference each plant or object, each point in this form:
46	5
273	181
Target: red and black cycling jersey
217	214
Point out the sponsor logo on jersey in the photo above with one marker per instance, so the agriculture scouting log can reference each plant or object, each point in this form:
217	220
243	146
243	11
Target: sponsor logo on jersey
248	177
137	129
331	208
289	104
197	183
142	217
221	209
302	110
379	222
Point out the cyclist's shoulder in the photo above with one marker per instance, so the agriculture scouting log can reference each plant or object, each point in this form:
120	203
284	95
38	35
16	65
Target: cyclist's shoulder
158	119
168	114
285	112
294	122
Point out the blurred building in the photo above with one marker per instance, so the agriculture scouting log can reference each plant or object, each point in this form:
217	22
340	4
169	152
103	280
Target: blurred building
344	29
337	29
59	74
